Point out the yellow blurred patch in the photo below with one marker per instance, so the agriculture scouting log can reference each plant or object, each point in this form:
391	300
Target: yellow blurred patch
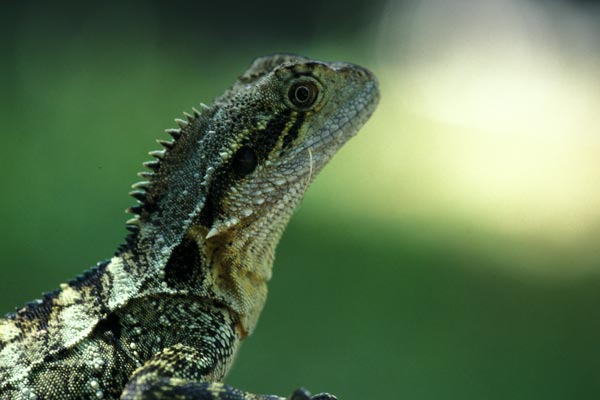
494	123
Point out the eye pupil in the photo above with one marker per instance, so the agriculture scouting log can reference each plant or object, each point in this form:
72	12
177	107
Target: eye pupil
244	161
303	95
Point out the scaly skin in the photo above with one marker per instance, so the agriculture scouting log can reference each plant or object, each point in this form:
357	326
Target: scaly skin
164	317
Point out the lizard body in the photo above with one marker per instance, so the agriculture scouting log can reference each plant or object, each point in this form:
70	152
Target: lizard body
163	317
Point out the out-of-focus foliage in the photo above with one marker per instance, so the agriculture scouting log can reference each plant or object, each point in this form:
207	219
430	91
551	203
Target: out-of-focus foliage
449	251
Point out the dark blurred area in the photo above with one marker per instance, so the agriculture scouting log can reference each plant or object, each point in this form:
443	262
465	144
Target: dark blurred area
192	24
449	252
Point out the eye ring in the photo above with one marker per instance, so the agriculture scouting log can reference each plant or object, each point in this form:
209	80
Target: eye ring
244	161
303	94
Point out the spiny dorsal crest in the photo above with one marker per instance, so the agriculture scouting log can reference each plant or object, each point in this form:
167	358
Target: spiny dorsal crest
245	162
141	189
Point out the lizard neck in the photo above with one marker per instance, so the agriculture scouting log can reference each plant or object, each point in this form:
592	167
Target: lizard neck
239	266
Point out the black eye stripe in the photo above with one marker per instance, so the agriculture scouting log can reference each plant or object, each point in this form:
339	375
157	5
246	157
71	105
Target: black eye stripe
292	133
262	142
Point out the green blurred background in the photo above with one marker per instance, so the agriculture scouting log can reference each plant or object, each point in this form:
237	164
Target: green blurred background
450	251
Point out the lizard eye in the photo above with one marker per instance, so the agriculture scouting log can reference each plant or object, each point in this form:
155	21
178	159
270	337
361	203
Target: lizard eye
303	94
244	161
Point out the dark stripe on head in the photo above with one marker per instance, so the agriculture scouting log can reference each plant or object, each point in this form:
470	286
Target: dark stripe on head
262	142
212	206
292	133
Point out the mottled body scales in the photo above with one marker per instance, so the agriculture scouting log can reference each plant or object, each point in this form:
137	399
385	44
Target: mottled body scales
164	317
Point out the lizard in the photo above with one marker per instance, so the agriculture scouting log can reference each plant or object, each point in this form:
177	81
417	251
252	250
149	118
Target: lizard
164	317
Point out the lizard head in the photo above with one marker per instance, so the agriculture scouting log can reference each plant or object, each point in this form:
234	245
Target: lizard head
236	170
281	122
